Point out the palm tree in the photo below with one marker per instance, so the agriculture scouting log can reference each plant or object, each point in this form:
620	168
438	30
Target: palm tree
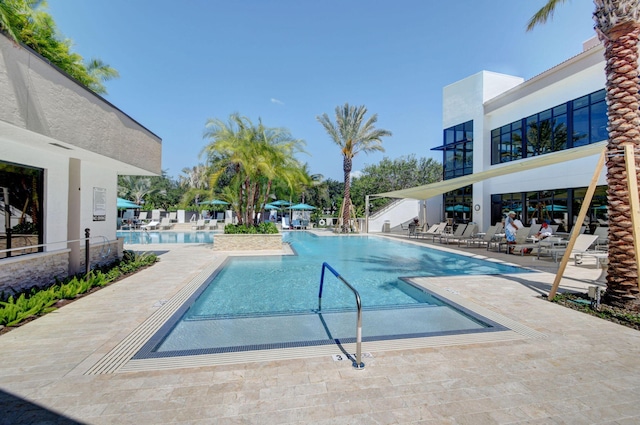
353	135
257	155
617	23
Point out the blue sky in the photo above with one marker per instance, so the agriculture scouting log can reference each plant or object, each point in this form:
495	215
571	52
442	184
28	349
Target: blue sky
288	61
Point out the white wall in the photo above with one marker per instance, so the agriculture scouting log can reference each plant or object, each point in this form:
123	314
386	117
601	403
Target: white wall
401	212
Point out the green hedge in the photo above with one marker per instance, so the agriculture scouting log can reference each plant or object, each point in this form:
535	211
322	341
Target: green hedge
262	228
37	302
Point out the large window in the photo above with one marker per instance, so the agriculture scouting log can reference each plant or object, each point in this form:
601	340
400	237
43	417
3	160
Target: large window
560	206
21	194
458	150
548	131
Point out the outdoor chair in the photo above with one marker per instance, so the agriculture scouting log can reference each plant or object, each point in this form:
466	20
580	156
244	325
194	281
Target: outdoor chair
581	246
453	236
435	231
199	225
484	239
469	233
165	224
152	225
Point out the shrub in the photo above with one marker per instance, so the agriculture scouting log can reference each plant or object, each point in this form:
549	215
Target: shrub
37	302
262	228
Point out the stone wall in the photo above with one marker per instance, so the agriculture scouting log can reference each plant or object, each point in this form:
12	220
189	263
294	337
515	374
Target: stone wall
222	242
41	269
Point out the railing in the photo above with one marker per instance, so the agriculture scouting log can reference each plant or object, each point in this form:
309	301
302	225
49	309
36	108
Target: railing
357	363
86	240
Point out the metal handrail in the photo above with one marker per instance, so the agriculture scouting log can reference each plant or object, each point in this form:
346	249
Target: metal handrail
358	364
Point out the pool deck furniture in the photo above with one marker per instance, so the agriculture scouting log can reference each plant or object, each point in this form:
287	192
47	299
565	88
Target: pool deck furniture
433	232
198	225
152	225
581	246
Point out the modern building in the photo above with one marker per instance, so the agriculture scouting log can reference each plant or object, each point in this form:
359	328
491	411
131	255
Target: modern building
496	124
62	148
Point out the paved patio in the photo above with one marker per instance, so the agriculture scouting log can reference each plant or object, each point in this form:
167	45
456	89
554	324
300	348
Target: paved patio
573	368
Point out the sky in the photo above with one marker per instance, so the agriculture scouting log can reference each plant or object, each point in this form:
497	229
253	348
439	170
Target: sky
288	61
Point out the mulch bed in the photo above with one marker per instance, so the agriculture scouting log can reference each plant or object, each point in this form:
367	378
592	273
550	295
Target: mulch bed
581	302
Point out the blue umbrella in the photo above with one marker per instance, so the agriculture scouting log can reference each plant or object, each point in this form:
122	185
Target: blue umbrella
213	202
303	207
280	203
123	203
271	207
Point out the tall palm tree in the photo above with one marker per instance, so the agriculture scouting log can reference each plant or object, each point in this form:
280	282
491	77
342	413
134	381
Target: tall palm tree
617	23
353	135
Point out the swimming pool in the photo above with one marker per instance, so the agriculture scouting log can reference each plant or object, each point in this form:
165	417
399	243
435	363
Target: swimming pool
147	237
272	302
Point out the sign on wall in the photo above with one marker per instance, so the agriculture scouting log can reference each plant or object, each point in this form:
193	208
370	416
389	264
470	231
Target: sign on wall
99	204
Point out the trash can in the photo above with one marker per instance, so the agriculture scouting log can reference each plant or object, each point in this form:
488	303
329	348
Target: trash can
386	227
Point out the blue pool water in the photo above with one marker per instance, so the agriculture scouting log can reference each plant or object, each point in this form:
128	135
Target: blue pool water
147	237
267	302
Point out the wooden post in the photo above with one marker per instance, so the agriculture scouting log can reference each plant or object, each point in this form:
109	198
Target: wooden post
634	202
577	225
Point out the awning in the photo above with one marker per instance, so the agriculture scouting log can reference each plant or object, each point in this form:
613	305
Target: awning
434	189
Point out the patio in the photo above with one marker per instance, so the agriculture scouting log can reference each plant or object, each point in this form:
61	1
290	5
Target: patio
582	370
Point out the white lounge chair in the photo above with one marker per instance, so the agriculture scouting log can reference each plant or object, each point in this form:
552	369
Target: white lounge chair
581	246
152	225
213	224
285	223
434	231
165	223
457	234
199	225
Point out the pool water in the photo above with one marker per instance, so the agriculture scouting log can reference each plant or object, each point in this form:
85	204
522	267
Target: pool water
268	302
149	237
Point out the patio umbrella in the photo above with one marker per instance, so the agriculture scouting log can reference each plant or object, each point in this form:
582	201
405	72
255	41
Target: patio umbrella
303	207
271	207
124	204
280	203
457	208
213	202
557	208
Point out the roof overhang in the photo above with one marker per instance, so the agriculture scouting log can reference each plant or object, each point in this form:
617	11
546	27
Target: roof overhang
434	189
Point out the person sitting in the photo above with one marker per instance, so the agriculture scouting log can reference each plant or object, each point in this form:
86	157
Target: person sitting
545	231
413	226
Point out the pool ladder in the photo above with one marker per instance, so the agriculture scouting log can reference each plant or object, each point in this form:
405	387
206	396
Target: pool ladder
357	363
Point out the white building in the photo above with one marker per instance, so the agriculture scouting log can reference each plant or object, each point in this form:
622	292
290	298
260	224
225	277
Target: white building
62	148
495	123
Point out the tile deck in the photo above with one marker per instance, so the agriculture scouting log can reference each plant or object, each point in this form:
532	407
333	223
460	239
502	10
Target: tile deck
562	367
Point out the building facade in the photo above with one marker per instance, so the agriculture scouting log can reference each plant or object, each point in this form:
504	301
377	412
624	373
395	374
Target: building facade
494	120
62	148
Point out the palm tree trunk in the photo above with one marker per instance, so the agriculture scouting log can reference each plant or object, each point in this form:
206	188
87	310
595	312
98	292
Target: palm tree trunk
621	54
347	164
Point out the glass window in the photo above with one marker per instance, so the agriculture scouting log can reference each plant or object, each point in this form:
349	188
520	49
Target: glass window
21	194
599	122
458	150
580	127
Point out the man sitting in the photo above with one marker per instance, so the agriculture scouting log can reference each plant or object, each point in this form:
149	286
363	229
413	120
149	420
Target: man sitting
545	231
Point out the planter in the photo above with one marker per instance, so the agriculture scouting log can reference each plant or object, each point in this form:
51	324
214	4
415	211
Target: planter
244	242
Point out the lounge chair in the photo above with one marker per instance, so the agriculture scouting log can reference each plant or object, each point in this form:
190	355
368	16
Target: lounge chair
199	225
143	217
155	215
173	216
603	237
165	223
213	224
469	233
581	246
152	225
285	223
521	239
484	239
434	231
457	234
